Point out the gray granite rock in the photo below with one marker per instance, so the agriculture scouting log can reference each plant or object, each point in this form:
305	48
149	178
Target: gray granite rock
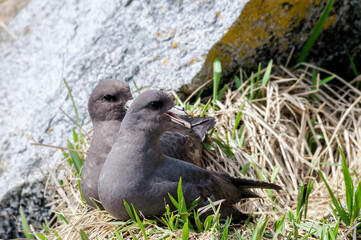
168	45
30	196
157	45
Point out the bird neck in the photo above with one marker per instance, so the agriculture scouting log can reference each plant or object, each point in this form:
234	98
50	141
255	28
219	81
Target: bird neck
138	145
104	135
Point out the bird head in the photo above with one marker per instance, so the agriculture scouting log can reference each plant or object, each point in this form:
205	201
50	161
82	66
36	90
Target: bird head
156	111
107	100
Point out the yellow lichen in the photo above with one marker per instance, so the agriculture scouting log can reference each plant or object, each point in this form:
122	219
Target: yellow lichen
330	20
174	44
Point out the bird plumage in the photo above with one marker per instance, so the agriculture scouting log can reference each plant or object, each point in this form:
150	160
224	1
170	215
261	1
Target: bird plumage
137	171
106	108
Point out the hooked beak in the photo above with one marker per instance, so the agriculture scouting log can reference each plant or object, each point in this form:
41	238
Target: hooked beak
176	110
128	103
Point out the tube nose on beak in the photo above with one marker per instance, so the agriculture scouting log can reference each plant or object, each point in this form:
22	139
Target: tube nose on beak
181	111
128	103
176	110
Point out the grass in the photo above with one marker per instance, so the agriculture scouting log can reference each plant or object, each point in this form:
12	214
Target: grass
315	33
269	128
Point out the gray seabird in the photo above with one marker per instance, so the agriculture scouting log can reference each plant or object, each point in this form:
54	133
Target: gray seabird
136	170
106	109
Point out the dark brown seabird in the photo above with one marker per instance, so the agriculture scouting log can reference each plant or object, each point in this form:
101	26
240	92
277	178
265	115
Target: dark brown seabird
106	109
137	171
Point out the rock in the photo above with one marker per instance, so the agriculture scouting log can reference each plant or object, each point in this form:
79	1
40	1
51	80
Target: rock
31	198
168	45
343	29
157	45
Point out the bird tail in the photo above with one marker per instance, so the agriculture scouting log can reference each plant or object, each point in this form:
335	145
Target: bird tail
200	125
234	189
245	183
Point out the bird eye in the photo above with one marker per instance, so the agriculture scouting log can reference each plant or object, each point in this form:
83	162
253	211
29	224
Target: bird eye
109	97
156	104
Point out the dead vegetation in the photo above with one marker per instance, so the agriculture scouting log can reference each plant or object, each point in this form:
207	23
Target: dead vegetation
292	129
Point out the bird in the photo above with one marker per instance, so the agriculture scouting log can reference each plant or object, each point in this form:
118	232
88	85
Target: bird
136	170
107	108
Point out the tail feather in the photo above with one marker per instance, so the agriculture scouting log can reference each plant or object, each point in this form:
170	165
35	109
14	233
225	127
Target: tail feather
250	183
249	194
201	125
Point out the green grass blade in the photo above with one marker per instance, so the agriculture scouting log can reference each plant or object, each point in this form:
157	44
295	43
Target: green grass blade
330	234
185	232
257	231
308	192
140	223
357	206
265	78
25	225
335	230
41	236
217	71
194	203
353	65
258	73
237	82
326	80
339	208
316	32
208	223
136	86
68	159
238	235
61	217
75	108
348	182
263	227
83	235
196	104
133	236
241	136
181	197
129	210
275	172
81	194
308	235
238	119
300	202
245	168
117	234
175	203
291	216
75	158
76	139
267	74
205	108
225	234
251	88
207	146
72	100
197	221
46	227
225	228
314	79
221	93
279	225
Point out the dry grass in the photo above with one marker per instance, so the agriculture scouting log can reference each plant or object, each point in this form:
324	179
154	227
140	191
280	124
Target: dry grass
277	130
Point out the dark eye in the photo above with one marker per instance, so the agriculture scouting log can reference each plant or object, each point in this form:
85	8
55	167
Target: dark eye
109	97
156	104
